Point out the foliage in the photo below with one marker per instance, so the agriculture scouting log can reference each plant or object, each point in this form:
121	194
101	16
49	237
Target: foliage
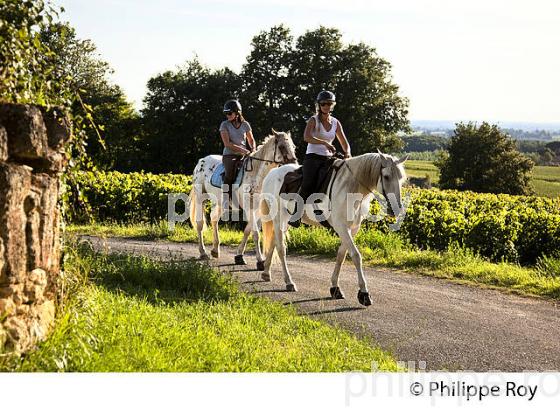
484	159
424	142
26	75
369	108
266	81
498	227
514	228
113	142
114	196
43	63
277	88
181	115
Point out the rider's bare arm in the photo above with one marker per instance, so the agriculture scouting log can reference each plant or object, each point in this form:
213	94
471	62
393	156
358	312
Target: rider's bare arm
251	140
309	138
227	143
343	141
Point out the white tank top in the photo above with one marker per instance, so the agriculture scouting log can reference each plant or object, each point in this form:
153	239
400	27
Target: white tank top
320	133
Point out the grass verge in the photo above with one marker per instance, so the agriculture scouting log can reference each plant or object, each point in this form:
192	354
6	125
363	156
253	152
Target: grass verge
130	314
378	249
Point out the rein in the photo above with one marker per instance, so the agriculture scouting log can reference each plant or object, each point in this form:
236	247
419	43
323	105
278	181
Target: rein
249	158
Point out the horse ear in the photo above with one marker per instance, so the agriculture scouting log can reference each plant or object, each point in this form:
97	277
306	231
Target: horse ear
384	160
403	159
274	132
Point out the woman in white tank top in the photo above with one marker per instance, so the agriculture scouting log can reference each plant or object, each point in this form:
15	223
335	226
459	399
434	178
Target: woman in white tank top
320	132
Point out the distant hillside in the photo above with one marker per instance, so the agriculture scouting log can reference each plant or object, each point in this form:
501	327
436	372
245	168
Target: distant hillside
518	130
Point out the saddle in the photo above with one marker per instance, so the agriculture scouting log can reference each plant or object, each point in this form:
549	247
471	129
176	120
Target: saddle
293	180
217	178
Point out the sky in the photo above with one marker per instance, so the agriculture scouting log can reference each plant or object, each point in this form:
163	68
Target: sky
479	60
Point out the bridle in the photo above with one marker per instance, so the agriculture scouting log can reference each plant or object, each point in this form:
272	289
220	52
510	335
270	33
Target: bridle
374	193
283	151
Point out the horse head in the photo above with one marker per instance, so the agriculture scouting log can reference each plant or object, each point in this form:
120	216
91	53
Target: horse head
391	178
279	148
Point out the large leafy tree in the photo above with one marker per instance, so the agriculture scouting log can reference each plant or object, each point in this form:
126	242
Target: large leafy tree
181	115
484	159
265	80
369	106
277	87
282	78
113	134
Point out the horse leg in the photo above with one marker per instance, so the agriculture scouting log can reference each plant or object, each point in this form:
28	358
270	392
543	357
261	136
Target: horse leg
336	293
257	241
198	220
215	218
201	248
348	240
253	226
281	249
239	260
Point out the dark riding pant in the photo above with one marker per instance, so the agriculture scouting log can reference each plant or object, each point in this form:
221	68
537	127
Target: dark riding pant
314	169
231	165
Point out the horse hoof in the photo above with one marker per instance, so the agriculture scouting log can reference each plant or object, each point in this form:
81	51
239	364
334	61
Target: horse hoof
260	265
239	260
291	288
265	277
215	254
364	298
204	257
336	293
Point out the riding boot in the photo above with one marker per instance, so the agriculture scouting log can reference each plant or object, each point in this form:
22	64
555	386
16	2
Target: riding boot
292	208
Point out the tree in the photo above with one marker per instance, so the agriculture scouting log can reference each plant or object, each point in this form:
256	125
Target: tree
484	159
265	80
369	107
277	87
113	138
182	113
25	69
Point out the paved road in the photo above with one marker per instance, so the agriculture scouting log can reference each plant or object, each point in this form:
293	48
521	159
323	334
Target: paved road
447	326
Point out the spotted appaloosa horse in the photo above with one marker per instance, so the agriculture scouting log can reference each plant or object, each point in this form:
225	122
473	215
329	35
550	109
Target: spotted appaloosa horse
277	149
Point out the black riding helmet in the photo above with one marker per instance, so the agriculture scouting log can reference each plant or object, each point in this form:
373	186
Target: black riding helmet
232	106
326	96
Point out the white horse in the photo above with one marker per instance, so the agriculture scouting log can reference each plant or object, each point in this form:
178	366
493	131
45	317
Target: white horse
352	190
277	149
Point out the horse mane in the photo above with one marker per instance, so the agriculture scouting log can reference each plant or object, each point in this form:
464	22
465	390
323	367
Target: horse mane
271	137
266	140
366	171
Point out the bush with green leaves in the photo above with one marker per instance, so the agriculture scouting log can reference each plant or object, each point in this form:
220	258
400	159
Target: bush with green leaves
499	227
134	197
484	159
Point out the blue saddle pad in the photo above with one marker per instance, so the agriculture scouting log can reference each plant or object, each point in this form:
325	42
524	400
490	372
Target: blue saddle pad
217	178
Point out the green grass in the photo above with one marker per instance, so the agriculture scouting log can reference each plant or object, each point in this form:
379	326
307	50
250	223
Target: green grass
130	314
545	180
383	249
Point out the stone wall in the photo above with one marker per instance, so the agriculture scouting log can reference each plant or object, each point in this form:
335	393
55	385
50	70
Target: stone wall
31	163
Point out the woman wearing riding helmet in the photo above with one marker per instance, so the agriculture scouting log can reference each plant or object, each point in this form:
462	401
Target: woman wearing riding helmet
319	134
237	138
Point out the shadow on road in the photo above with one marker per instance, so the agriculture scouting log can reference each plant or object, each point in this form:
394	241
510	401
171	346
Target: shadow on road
294	302
337	310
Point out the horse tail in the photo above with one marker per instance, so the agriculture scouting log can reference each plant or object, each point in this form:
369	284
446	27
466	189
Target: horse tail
267	229
195	203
